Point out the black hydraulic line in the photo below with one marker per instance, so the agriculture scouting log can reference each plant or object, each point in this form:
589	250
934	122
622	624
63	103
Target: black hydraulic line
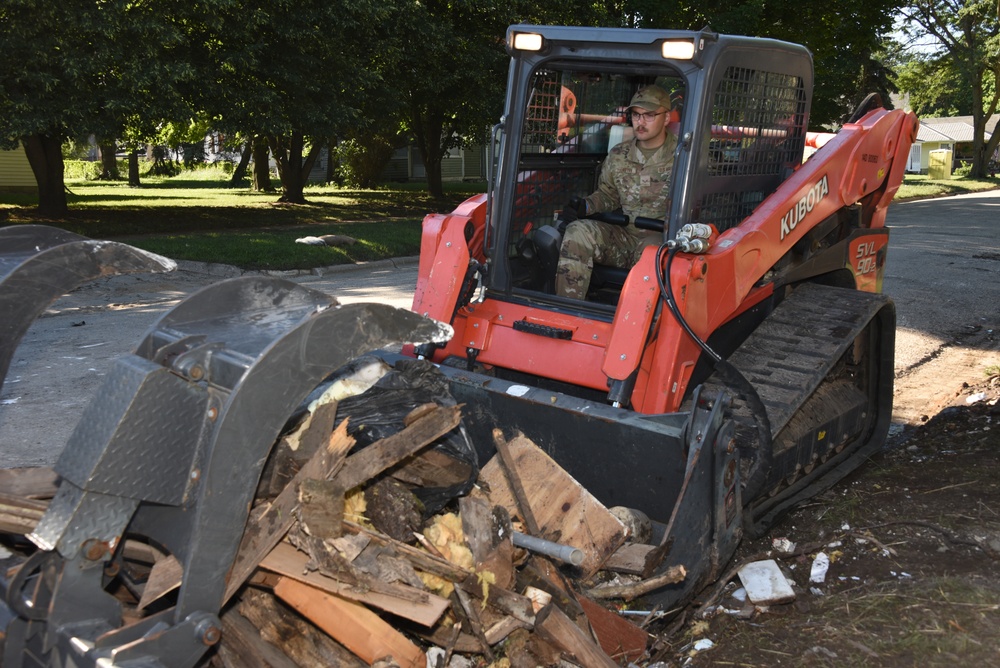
727	372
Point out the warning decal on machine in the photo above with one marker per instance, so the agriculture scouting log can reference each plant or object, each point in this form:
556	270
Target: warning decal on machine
797	212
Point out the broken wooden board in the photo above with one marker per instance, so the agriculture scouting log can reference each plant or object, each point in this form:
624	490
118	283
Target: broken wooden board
19	515
631	558
302	642
566	512
165	576
243	647
401	600
488	534
556	628
32	482
354	626
261	536
619	638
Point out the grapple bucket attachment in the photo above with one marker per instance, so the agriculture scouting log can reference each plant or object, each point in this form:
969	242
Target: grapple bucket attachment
171	450
39	264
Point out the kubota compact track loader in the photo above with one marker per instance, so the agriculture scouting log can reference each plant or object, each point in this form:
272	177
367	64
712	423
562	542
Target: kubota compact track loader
742	366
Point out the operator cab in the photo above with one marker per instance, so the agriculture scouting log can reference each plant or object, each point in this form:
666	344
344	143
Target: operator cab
739	113
575	114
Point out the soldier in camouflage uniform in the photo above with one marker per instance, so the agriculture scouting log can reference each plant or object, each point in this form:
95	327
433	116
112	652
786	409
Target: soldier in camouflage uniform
636	178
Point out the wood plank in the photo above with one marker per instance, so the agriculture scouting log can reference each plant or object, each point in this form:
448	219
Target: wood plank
299	640
246	649
354	626
165	576
565	511
619	638
321	508
391	450
31	482
401	600
19	515
488	533
555	627
630	558
522	504
266	531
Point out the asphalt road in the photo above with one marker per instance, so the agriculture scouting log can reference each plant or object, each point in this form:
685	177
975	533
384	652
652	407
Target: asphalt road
943	272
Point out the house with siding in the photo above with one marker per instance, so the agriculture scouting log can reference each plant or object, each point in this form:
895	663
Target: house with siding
15	172
461	164
954	134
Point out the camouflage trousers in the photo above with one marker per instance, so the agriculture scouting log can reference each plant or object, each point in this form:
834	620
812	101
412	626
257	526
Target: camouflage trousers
587	242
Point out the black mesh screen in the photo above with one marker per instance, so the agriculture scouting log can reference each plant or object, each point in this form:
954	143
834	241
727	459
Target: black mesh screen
541	193
757	138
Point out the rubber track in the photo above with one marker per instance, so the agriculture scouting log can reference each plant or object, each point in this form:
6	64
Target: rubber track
786	359
794	349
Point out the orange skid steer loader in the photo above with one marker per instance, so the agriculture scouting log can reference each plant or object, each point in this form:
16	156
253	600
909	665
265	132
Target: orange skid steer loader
742	365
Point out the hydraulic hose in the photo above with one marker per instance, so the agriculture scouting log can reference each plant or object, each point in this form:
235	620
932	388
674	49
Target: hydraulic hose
727	372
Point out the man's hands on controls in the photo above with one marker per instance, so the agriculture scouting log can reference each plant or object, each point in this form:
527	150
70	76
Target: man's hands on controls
575	208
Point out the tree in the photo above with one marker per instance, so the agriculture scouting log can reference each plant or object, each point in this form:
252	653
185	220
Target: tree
294	73
936	88
43	85
80	68
451	79
967	33
844	37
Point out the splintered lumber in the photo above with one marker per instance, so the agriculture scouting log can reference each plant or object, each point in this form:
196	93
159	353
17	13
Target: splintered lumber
19	515
354	626
298	639
243	647
467	610
540	573
165	576
32	482
564	510
321	507
391	450
556	628
631	558
401	600
488	533
295	448
262	535
425	561
509	467
618	637
629	592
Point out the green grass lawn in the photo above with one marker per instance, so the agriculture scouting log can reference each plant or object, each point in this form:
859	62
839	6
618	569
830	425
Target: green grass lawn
920	186
197	216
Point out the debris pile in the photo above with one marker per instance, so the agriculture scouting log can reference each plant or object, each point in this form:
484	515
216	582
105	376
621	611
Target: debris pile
376	538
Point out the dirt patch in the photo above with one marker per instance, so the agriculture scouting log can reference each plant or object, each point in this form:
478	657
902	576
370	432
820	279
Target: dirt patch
914	544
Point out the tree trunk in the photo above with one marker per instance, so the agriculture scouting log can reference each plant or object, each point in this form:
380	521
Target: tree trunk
45	157
240	172
314	150
109	161
428	128
133	168
290	167
435	186
261	168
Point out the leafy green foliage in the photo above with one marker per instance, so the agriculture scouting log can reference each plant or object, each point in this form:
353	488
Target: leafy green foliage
967	34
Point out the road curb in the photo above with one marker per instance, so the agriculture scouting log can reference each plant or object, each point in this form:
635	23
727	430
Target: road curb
229	271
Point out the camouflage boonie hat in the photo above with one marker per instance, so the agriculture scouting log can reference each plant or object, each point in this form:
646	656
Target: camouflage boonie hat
651	98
